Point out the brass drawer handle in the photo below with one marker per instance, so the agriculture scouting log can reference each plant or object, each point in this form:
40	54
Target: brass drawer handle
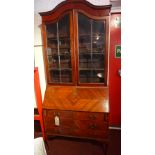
93	126
92	116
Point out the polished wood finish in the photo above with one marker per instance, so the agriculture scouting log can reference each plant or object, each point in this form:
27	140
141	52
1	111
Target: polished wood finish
73	7
72	49
90	99
44	37
44	40
106	40
77	124
80	5
82	109
75	21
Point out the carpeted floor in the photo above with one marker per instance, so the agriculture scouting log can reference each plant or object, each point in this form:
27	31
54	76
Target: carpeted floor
65	146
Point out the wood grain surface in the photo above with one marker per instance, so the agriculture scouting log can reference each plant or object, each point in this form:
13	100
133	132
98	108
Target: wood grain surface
77	98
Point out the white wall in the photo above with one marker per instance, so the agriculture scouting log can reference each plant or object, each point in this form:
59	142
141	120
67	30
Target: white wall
43	6
38	54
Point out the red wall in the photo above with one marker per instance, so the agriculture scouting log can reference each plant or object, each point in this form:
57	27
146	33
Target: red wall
114	77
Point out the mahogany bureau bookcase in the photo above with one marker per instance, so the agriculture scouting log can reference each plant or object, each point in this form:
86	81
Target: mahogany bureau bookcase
76	44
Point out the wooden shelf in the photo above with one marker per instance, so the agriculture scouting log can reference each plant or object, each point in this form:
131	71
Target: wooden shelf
94	34
90	77
55	36
55	47
56	54
85	45
89	53
61	82
57	69
90	69
60	38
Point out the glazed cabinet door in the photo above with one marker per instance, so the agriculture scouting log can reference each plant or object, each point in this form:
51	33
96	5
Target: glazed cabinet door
59	50
91	50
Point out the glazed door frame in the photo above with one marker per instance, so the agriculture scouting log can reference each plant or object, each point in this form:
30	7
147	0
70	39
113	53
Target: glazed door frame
72	52
73	7
96	18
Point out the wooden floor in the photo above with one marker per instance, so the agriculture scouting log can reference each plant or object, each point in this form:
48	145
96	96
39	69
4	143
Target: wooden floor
65	146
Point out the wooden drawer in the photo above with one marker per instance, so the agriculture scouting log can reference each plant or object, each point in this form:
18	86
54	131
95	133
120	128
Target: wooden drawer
61	114
50	123
91	128
90	125
91	116
65	119
60	131
81	124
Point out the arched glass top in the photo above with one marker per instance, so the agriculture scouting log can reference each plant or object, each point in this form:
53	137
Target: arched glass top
58	51
91	56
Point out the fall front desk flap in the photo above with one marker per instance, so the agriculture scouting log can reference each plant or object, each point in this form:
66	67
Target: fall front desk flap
77	98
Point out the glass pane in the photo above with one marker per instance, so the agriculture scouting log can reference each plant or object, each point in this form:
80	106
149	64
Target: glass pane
98	61
51	30
63	25
91	50
65	61
55	74
98	36
91	76
89	61
53	62
84	60
84	34
66	76
58	50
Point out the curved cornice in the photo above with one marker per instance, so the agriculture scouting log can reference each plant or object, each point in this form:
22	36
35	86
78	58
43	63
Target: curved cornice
78	5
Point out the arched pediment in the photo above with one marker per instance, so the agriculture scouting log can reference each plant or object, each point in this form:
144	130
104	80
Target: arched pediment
80	5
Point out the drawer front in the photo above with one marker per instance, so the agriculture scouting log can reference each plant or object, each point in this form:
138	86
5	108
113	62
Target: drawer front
77	115
91	116
91	125
61	114
50	123
60	131
81	124
65	119
91	128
